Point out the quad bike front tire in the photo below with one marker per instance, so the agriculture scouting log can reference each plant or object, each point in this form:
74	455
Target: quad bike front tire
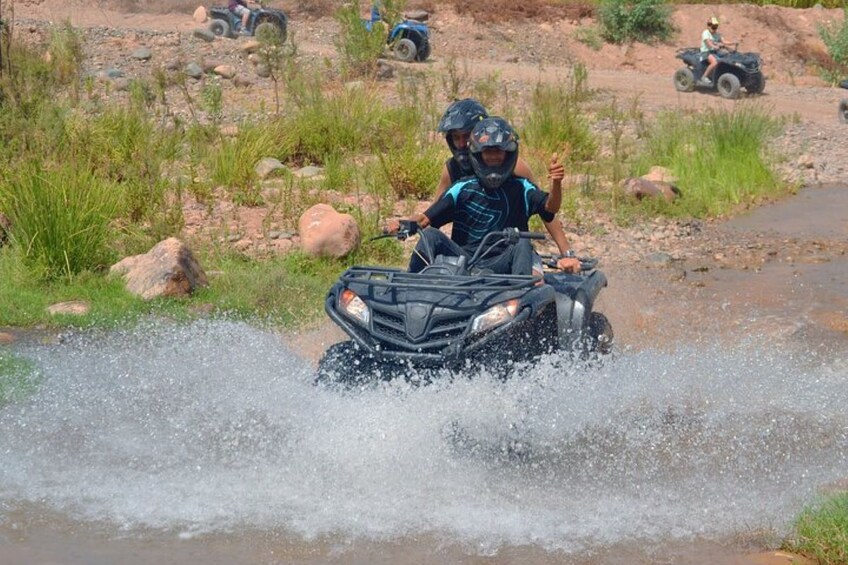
600	334
756	84
273	28
843	110
684	80
219	28
405	50
728	86
346	364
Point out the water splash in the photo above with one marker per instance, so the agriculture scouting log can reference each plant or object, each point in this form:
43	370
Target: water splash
216	426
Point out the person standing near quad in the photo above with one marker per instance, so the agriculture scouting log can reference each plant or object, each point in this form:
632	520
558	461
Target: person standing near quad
711	42
240	9
492	200
459	119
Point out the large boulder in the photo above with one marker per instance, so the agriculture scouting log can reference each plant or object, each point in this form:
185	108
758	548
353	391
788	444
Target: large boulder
323	231
168	269
640	188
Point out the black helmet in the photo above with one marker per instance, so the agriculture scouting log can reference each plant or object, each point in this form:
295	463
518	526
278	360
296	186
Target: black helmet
461	115
493	132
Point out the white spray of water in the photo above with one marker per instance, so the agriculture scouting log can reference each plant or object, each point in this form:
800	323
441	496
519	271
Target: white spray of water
216	426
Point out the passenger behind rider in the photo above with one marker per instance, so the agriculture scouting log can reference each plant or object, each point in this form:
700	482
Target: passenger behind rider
711	42
492	200
456	124
240	9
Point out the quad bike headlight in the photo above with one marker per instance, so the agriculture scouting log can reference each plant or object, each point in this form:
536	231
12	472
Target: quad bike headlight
354	307
495	316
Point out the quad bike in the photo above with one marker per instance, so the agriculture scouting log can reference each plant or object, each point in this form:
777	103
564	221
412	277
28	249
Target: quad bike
452	312
735	71
843	105
224	23
409	39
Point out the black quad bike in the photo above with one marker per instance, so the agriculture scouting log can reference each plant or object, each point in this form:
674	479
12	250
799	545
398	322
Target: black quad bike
734	72
224	23
451	313
843	104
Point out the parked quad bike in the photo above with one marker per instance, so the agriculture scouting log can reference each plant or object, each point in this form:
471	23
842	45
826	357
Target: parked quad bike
409	39
451	313
224	23
734	72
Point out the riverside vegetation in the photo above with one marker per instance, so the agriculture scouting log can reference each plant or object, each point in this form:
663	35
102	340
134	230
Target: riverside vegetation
86	180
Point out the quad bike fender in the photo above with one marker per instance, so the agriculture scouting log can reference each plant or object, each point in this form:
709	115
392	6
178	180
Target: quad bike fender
573	308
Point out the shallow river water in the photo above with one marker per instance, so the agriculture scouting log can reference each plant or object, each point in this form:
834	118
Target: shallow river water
209	443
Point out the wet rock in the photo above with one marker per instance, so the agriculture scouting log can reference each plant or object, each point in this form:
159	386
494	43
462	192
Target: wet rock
168	269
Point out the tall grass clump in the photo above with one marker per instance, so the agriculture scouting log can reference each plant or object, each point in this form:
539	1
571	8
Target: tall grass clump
61	218
232	161
719	157
822	531
835	38
556	119
623	21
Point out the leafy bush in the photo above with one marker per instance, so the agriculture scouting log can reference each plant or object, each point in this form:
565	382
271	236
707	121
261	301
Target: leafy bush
623	21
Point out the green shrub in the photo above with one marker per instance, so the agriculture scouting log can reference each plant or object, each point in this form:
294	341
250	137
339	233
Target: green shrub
835	38
822	531
622	21
412	169
358	47
61	218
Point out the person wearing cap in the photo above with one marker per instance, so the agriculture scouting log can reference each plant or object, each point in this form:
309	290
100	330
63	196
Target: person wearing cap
711	42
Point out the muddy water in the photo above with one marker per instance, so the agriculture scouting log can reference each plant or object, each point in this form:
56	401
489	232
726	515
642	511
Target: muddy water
208	443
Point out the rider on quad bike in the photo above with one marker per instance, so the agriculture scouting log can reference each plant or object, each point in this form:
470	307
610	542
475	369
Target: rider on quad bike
711	42
718	66
492	200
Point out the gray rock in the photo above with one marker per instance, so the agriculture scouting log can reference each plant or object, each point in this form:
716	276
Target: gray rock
268	166
308	172
194	70
204	34
114	73
142	54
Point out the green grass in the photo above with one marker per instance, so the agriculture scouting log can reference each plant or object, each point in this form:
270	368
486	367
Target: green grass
822	531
